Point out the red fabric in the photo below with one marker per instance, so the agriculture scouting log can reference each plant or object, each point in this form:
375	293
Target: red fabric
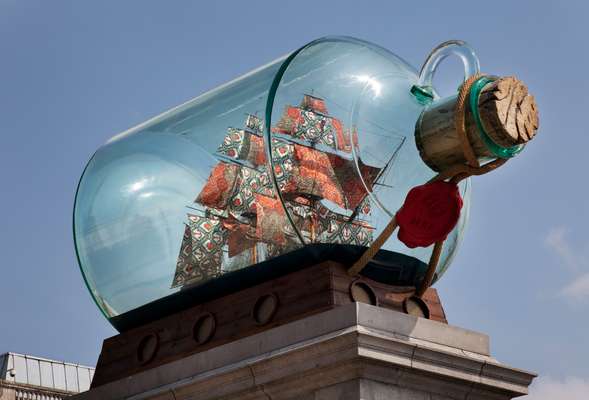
429	214
351	184
313	175
256	154
291	121
271	220
313	160
239	238
328	176
294	114
314	103
342	140
219	187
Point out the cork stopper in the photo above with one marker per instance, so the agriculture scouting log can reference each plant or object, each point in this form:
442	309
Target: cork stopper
507	117
508	112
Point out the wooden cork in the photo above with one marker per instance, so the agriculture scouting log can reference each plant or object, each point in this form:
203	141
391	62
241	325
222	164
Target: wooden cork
508	115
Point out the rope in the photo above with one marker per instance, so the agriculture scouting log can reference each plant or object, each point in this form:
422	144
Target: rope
431	269
465	171
454	174
460	121
374	248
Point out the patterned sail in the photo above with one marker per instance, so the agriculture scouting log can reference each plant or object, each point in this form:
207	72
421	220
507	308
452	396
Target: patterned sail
323	153
310	124
243	217
201	251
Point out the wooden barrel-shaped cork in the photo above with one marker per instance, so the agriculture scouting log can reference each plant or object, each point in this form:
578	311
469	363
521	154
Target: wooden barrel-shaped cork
508	116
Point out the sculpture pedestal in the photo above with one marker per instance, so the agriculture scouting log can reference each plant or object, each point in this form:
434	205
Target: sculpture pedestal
356	351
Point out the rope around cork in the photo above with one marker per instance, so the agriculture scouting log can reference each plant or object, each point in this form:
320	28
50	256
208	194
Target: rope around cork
502	117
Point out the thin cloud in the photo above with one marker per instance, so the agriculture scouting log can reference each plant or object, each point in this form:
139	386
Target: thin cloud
575	260
557	241
571	388
578	290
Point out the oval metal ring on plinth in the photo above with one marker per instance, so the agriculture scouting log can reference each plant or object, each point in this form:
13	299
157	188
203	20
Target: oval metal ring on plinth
265	308
148	348
361	292
415	306
204	328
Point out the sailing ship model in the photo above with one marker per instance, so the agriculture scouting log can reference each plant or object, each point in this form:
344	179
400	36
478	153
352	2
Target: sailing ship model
239	218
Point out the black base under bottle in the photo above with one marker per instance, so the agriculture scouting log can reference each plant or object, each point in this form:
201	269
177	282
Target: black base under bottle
387	267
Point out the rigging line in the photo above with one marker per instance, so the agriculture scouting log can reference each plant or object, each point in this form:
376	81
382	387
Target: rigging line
364	131
381	174
371	193
195	209
382	184
356	211
372	133
390	161
370	153
384	173
394	132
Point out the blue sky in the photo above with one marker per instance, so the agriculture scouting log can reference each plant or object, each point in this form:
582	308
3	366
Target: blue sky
74	73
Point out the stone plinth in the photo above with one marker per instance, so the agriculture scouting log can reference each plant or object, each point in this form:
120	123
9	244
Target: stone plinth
354	352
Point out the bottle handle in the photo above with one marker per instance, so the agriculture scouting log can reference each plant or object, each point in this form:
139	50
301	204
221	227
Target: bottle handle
452	47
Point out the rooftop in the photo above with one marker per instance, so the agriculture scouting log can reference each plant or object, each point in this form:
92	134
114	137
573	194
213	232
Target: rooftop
42	373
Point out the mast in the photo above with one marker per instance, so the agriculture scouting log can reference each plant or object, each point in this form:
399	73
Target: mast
315	171
230	201
324	170
323	152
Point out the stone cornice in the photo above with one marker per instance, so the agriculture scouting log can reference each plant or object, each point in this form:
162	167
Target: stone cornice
352	342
